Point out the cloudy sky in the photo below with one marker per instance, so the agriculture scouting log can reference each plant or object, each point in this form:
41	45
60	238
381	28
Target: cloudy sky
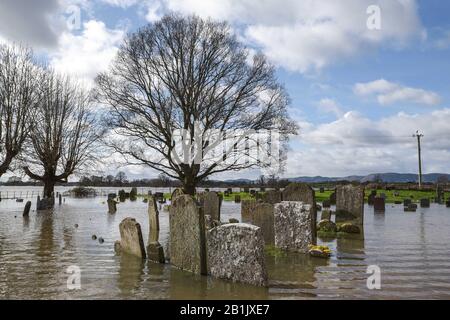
358	93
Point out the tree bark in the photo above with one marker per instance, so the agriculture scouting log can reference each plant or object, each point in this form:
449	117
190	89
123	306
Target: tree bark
49	188
189	186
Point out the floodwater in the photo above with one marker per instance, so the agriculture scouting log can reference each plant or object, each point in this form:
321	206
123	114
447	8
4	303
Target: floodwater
411	250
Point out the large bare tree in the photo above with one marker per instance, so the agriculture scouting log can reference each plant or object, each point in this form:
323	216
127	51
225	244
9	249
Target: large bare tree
189	75
18	97
64	132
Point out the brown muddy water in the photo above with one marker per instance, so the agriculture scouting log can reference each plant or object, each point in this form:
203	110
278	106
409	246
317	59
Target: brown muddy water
412	250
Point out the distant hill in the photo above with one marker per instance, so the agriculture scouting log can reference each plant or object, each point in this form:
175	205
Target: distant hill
385	177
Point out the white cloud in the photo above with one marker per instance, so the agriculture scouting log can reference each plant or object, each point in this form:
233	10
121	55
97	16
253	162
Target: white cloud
328	105
120	3
354	144
89	53
303	35
390	93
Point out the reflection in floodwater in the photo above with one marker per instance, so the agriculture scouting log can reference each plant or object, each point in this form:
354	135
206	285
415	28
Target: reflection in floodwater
410	248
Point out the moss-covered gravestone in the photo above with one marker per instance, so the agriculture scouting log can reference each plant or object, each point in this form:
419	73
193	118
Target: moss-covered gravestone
131	241
350	204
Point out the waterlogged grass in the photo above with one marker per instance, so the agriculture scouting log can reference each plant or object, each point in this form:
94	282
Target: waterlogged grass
273	251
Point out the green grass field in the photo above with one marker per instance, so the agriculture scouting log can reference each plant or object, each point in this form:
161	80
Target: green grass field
320	197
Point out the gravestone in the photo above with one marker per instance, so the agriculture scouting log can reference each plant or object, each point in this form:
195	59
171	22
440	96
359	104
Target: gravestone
424	203
236	253
237	198
187	235
122	196
133	194
439	194
272	197
322	190
350	204
176	193
333	198
447	204
263	217
326	215
295	226
407	202
371	199
326	204
60	199
45	204
131	241
379	204
211	203
247	209
26	210
303	193
155	252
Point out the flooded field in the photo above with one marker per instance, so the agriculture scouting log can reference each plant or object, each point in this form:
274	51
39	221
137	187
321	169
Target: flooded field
410	248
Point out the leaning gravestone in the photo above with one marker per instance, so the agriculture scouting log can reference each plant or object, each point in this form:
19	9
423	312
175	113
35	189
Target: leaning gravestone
131	241
247	210
187	235
303	193
211	203
112	204
263	217
350	204
26	210
272	197
155	252
295	227
236	253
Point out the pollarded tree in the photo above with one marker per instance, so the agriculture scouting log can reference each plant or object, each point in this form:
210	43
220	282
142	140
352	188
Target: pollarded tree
190	80
64	132
18	98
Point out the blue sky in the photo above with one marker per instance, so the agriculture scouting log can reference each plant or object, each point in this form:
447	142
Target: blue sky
357	94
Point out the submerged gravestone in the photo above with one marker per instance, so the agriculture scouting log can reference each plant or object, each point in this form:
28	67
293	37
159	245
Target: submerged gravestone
112	205
26	210
295	226
131	241
155	252
247	209
272	197
237	198
133	194
211	203
303	193
236	253
379	204
425	203
263	217
45	203
350	204
187	235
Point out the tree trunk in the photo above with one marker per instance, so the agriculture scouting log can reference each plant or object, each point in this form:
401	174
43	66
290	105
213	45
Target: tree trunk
49	188
189	187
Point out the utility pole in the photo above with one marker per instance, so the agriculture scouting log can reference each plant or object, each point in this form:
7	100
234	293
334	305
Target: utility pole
419	136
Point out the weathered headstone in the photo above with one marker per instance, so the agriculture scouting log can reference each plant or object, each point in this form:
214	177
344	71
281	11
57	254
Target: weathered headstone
211	203
263	217
407	202
326	204
322	190
295	226
133	194
303	193
187	235
326	215
272	197
350	204
26	210
247	209
237	198
379	204
425	203
236	253
60	198
122	196
131	241
155	252
439	194
371	199
333	198
112	205
176	193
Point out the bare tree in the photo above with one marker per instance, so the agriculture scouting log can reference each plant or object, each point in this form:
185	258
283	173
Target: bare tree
18	97
191	75
63	133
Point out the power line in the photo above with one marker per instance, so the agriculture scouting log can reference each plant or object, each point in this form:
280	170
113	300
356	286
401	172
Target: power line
419	136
